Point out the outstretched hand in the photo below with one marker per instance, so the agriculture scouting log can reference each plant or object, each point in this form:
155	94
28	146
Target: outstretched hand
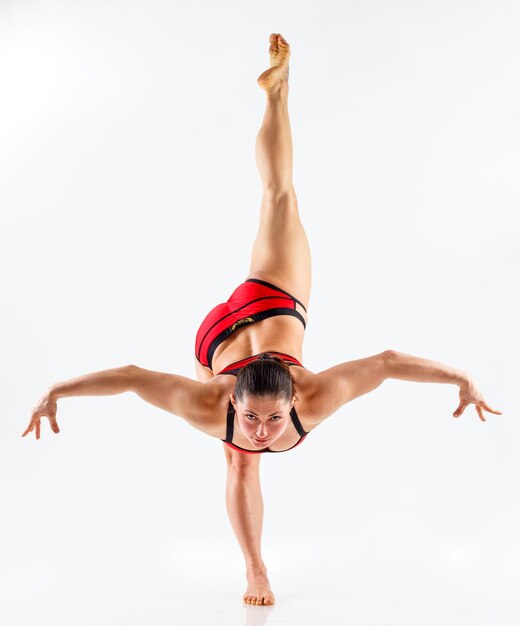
469	394
45	407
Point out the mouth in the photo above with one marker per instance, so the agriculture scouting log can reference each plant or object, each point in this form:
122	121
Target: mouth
260	440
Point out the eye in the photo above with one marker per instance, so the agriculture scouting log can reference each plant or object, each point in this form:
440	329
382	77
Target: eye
276	418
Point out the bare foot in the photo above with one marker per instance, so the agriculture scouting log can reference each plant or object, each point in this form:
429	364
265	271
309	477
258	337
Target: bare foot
258	590
276	77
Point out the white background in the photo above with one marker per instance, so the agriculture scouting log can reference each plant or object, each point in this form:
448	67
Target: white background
129	203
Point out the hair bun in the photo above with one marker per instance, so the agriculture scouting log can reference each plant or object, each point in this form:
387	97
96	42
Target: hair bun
259	378
267	356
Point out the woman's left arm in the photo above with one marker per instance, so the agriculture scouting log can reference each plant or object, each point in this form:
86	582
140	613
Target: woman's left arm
408	367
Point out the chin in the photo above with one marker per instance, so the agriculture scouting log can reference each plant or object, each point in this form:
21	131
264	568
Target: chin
261	444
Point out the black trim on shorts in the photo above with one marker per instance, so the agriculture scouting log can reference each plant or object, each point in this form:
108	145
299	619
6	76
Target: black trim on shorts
266	284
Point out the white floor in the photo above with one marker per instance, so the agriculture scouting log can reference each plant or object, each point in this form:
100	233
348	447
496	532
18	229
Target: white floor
80	590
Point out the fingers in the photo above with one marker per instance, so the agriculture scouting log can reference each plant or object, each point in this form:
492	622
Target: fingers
478	407
492	410
30	428
460	409
53	423
36	425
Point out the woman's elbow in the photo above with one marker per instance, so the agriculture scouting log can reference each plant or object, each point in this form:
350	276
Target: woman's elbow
131	373
389	359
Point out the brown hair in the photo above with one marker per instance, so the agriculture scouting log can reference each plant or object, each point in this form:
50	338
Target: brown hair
267	375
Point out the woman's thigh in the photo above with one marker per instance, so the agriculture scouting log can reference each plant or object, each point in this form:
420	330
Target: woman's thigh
281	253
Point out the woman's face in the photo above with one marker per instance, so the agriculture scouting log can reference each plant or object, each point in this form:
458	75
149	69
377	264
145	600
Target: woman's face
262	418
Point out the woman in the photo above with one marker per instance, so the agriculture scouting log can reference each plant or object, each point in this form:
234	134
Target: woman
253	392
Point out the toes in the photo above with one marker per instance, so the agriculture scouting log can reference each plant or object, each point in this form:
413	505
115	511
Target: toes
276	40
258	600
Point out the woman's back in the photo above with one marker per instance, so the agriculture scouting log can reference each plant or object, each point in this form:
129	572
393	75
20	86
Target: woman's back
282	334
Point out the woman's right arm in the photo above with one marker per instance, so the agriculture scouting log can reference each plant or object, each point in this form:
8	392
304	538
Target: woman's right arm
187	398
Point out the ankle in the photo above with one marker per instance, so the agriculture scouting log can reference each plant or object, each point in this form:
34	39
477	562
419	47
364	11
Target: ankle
256	567
279	93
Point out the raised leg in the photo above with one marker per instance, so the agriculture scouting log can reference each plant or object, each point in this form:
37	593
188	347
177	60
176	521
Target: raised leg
281	252
246	509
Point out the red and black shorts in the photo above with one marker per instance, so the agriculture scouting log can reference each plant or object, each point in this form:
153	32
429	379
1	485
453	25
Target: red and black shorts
252	301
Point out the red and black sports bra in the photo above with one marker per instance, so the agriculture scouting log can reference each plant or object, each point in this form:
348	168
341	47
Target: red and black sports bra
233	369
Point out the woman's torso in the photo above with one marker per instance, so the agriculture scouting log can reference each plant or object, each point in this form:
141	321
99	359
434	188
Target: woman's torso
281	334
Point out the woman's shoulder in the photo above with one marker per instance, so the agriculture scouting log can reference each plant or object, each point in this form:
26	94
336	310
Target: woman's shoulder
306	383
216	393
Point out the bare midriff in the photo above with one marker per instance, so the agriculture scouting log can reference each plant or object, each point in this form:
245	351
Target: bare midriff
281	333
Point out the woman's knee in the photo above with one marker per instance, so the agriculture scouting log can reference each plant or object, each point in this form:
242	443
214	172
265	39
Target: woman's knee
279	203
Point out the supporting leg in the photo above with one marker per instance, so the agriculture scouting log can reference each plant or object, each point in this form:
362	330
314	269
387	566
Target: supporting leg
245	508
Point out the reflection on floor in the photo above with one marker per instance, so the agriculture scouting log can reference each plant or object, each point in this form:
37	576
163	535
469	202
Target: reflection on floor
329	590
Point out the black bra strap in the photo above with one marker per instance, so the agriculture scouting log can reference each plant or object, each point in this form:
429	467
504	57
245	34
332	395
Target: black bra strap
230	423
297	423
